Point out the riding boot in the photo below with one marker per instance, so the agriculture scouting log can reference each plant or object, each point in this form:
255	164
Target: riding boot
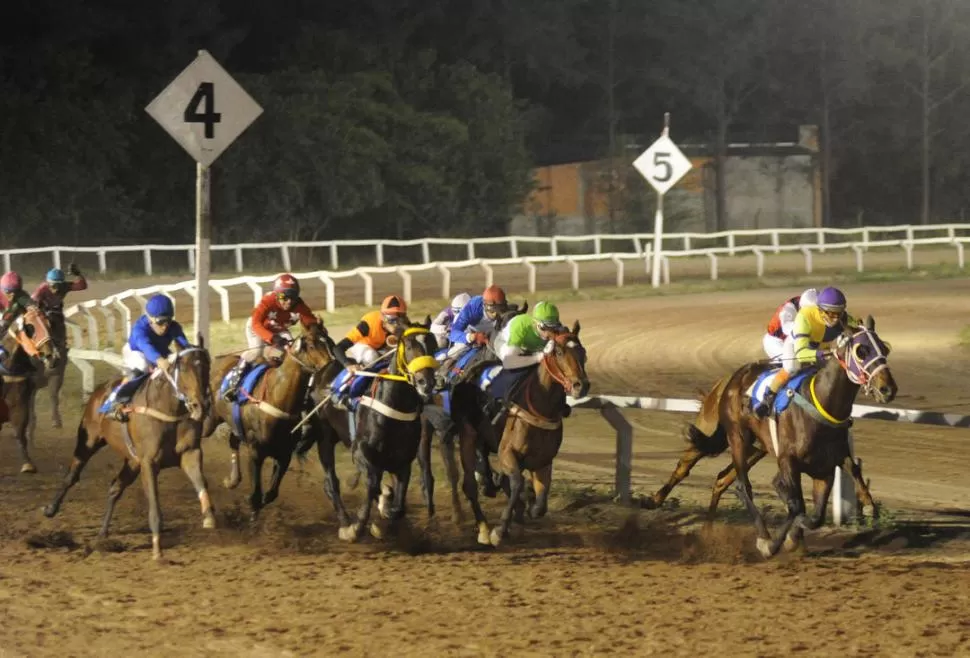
231	393
764	407
441	374
114	405
566	409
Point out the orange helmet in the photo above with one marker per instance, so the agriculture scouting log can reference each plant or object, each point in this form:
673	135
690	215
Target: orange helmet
394	306
493	295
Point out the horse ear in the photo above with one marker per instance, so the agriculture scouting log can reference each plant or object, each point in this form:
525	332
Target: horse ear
870	323
576	328
201	340
525	307
427	322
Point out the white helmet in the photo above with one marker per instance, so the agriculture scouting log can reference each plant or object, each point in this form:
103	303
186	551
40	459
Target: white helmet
459	302
808	298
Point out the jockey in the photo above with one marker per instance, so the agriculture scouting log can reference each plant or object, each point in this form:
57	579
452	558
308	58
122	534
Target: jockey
813	332
526	341
50	294
441	325
780	325
364	345
147	348
268	325
473	327
13	303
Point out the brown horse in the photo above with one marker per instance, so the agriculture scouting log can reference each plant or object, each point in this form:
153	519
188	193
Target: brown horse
529	432
270	412
163	431
32	351
389	424
705	424
811	437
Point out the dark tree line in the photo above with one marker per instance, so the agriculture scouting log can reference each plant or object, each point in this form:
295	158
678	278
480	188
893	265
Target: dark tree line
425	117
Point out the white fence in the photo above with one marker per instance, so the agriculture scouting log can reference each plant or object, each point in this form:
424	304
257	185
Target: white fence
756	241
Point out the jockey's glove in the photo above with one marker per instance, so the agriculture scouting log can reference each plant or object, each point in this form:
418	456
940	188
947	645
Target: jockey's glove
820	355
73	270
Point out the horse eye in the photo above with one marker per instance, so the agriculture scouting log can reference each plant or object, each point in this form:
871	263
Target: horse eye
863	351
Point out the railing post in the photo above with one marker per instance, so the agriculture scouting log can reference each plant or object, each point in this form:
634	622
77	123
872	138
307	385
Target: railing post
109	321
102	261
620	265
624	450
223	301
379	251
648	257
908	248
637	249
960	261
126	314
687	243
951	232
858	249
331	301
57	258
865	238
368	287
425	252
530	275
471	250
808	259
257	292
191	254
713	258
574	273
821	240
759	258
239	259
513	248
445	280
665	267
553	246
334	260
489	274
776	241
597	245
285	253
6	261
731	244
406	281
148	261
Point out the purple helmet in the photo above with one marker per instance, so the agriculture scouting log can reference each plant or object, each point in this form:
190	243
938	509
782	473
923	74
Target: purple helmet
831	299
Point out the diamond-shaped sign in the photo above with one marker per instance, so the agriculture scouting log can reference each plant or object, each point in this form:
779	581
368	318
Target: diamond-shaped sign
662	164
204	109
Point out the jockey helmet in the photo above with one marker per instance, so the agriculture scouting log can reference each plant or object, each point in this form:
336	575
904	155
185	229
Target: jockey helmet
831	299
546	316
160	307
459	302
393	306
11	282
808	298
493	299
287	286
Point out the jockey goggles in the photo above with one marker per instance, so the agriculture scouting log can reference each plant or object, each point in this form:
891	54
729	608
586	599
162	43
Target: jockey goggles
290	295
831	316
161	321
392	320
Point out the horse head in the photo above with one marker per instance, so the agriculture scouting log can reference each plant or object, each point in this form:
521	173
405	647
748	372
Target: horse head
190	377
415	360
33	333
864	356
566	362
314	349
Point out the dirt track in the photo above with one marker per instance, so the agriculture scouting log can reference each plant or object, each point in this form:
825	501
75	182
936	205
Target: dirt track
590	579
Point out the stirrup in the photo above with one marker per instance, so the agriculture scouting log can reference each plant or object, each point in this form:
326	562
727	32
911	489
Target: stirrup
117	412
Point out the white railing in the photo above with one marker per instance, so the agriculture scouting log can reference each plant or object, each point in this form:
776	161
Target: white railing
773	240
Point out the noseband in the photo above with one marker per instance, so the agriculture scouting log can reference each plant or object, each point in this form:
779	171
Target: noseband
861	371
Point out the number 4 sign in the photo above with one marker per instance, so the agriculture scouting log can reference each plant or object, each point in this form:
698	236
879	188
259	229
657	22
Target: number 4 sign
204	109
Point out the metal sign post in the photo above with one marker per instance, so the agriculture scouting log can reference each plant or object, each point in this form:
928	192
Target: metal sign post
204	110
662	165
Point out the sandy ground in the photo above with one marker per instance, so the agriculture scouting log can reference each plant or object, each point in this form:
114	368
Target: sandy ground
592	578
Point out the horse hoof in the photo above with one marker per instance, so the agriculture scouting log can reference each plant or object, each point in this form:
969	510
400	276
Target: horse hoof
764	547
50	511
791	544
28	468
649	502
383	506
229	483
483	538
376	532
57	424
209	522
869	511
495	539
348	533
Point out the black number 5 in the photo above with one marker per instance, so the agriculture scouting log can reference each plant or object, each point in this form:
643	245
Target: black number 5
666	170
205	96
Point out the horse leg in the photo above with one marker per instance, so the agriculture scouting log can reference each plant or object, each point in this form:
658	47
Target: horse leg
726	478
469	456
541	481
235	477
687	461
122	481
54	384
401	480
280	465
256	459
191	463
373	476
867	506
85	448
331	483
20	415
149	480
511	467
32	417
743	485
447	448
424	461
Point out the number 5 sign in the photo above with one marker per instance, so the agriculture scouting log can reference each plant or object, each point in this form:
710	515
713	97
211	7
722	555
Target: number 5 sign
204	109
662	164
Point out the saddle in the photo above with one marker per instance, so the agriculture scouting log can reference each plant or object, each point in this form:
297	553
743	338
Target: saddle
346	389
123	392
785	395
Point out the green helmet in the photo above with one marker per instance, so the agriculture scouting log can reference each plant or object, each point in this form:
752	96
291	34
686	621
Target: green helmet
546	315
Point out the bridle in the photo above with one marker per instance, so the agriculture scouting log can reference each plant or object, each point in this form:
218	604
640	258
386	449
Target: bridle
551	363
174	379
861	371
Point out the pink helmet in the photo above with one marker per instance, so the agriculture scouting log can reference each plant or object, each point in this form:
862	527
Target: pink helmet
11	282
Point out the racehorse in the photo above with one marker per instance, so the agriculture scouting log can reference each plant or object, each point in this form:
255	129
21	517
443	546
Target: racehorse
705	423
32	351
810	437
529	431
164	430
389	424
272	401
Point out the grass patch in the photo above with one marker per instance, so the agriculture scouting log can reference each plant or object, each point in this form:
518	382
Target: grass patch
963	338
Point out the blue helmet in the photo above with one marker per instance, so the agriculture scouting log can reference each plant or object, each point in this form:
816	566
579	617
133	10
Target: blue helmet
160	307
55	275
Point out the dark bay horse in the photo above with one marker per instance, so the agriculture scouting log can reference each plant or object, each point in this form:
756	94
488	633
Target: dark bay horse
527	436
705	424
270	412
811	436
32	352
389	425
164	430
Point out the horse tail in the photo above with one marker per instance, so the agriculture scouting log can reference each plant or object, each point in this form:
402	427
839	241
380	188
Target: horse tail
707	433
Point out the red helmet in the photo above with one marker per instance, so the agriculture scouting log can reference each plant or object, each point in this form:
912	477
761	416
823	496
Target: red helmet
287	285
493	295
11	282
394	306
